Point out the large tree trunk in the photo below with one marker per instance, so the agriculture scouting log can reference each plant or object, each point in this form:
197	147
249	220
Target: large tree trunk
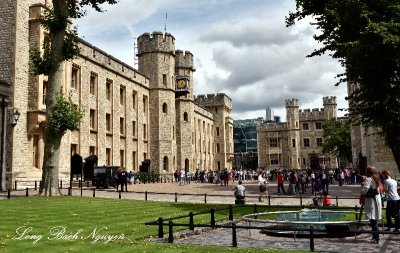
52	141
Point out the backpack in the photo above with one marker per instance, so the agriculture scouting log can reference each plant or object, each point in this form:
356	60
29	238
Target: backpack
263	186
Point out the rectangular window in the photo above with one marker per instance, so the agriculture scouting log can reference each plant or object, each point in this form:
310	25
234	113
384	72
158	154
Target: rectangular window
75	77
134	161
144	104
108	157
35	154
294	143
304	161
108	122
144	131
134	134
134	95
122	158
122	126
318	125
217	147
273	143
122	96
319	142
164	79
93	119
92	150
274	159
109	84
305	126
306	142
93	83
217	131
44	91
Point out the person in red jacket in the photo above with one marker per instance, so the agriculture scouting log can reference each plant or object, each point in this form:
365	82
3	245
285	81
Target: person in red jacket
279	178
326	199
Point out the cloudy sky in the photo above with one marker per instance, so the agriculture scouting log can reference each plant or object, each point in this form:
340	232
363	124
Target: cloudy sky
242	48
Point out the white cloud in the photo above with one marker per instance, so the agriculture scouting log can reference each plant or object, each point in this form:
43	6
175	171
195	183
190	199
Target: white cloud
241	48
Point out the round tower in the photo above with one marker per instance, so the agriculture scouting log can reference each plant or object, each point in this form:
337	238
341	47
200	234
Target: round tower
156	57
330	107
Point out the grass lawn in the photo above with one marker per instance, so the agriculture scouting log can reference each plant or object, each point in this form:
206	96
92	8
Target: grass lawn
83	224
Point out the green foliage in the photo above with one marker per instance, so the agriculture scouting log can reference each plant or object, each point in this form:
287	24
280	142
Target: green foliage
337	139
364	35
41	62
147	177
64	115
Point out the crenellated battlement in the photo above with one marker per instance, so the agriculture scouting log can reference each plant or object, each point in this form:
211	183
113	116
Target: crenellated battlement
183	59
213	100
294	102
313	114
329	100
156	42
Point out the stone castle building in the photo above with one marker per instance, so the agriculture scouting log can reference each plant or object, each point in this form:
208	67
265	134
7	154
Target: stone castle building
369	147
130	114
296	143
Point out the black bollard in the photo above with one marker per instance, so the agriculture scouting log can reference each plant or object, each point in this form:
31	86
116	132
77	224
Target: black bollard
205	198
234	238
230	212
170	232
60	184
15	185
145	195
119	195
8	193
160	228
212	212
94	192
26	194
312	238
176	197
191	221
35	185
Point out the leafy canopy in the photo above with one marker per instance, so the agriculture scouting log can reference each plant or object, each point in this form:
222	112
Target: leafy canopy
337	139
364	35
65	115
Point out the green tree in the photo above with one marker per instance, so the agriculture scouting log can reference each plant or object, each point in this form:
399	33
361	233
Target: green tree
61	115
337	139
364	35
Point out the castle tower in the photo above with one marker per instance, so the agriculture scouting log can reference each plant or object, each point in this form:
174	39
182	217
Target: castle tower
330	107
156	55
184	110
293	140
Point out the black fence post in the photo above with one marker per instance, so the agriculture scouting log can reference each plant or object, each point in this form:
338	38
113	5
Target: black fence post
145	195
87	183
176	197
269	199
81	189
27	194
212	212
35	185
312	238
160	228
255	211
15	185
8	193
70	191
170	232
205	198
337	201
234	238
301	200
119	194
191	222
94	192
230	212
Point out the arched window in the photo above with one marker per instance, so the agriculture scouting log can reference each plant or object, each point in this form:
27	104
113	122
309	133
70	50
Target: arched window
165	163
165	108
185	117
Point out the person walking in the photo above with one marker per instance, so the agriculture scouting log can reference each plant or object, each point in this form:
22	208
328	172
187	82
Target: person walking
263	186
372	201
240	192
279	179
393	202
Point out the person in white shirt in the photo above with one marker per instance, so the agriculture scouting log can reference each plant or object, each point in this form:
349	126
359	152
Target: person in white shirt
240	191
393	202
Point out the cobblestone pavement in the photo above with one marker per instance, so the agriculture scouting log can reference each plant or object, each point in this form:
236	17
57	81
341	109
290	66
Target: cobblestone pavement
347	196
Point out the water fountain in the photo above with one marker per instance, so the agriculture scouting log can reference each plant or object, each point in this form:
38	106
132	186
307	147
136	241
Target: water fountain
326	223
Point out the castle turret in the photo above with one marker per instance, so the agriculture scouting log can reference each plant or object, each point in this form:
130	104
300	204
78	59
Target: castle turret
293	141
156	55
330	107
